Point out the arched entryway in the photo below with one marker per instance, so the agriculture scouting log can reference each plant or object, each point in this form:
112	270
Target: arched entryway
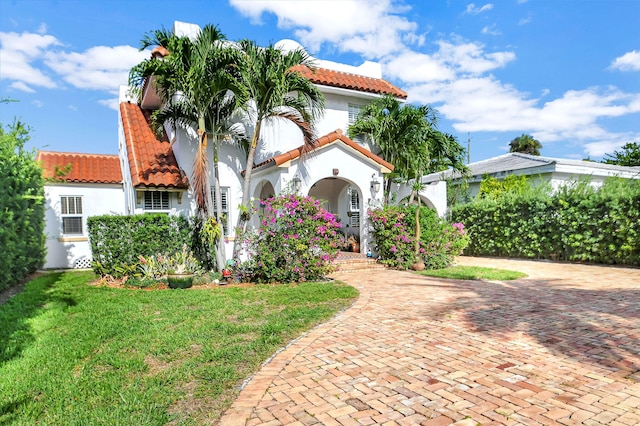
344	199
264	190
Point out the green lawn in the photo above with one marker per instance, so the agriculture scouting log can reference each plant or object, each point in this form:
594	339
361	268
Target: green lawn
474	273
71	353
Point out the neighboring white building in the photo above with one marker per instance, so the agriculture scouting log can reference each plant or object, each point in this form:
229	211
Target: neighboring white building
556	171
77	186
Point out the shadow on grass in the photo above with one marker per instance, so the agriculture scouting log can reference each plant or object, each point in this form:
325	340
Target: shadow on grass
16	332
600	327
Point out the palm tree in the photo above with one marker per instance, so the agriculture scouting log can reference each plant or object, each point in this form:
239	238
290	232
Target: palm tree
401	132
525	144
275	91
198	83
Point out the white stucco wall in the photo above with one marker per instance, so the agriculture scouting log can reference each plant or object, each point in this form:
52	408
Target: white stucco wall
434	195
352	168
71	251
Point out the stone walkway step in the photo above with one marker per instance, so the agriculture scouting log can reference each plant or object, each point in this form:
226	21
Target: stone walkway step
357	265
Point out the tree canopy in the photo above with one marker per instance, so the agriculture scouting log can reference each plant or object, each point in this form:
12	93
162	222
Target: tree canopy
199	84
22	236
525	144
408	138
629	155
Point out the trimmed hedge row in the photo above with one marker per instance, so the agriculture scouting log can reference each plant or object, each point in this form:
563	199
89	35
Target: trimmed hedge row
21	208
118	241
575	223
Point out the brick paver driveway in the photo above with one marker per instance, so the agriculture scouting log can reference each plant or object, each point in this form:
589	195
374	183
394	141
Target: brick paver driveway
559	347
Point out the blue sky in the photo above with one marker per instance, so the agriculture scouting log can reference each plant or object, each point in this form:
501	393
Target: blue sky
566	72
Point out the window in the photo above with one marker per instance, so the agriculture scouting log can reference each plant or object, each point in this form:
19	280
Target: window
71	213
224	194
156	200
354	110
354	208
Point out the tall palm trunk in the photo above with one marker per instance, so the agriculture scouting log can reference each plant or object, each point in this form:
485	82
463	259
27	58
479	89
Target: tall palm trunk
221	257
387	190
242	220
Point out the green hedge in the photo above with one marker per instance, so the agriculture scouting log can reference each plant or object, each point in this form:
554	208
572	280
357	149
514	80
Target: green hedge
575	223
21	207
118	241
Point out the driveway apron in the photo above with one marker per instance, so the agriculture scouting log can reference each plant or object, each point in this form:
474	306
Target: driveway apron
561	346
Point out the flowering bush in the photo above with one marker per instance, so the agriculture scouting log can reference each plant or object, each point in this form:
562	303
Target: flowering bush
393	231
297	241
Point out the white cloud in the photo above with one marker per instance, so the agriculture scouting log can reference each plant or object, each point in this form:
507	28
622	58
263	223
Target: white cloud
470	57
21	54
630	61
112	103
449	62
42	29
28	60
525	21
19	85
474	10
491	30
484	104
611	143
37	103
478	104
371	28
413	67
98	68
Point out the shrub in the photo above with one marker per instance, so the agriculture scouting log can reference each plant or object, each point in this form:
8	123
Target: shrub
575	223
393	231
297	241
21	207
118	241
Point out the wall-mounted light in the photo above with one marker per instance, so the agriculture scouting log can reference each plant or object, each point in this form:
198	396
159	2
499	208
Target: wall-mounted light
375	184
297	183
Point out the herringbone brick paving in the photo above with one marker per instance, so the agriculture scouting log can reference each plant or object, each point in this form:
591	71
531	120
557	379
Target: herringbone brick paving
559	347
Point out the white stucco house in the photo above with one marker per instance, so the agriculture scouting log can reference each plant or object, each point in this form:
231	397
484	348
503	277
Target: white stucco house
345	174
555	171
77	186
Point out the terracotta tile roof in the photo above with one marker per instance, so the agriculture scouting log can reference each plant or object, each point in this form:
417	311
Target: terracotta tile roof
320	142
345	80
151	160
159	52
85	168
327	77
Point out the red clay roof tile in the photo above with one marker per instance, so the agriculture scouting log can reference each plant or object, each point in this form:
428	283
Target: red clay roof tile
151	161
84	168
333	78
327	77
320	142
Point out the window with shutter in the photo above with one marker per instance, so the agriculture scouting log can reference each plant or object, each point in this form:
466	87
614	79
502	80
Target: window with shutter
354	209
354	110
224	195
156	200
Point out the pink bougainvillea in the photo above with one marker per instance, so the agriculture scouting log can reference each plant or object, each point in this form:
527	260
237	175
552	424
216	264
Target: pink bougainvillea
297	241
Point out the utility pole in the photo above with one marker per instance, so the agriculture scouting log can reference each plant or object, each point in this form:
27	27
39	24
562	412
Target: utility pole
468	148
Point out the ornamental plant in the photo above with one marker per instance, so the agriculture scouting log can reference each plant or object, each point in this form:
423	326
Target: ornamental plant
392	230
297	241
156	266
